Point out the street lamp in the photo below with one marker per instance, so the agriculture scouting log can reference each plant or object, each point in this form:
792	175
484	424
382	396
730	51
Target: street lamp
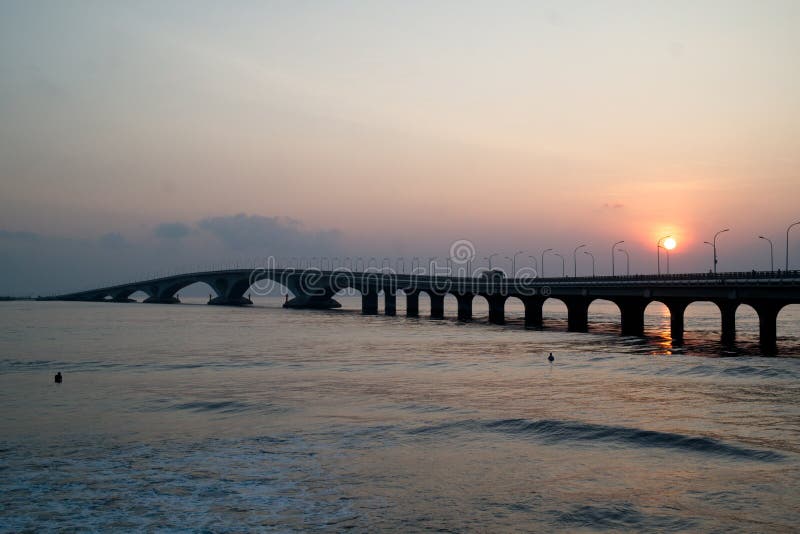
431	262
489	258
575	260
535	263
787	243
593	263
563	273
714	245
628	260
612	255
545	251
771	252
658	251
513	259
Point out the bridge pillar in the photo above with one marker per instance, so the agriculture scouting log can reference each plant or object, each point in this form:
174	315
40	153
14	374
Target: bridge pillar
768	325
464	306
369	301
497	308
727	310
390	301
437	306
577	313
676	307
632	315
533	311
412	303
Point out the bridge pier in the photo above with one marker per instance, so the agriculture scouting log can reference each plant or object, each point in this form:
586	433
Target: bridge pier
533	311
437	306
369	302
497	308
577	313
676	308
226	301
727	310
632	315
390	302
767	325
412	302
464	306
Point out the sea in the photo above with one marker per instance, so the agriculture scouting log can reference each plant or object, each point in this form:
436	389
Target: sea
200	418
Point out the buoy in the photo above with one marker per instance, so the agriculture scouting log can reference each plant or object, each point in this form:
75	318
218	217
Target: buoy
58	377
550	358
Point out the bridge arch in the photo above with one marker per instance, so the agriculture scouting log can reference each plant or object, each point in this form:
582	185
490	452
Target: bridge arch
657	319
193	288
137	296
514	309
606	315
556	311
786	320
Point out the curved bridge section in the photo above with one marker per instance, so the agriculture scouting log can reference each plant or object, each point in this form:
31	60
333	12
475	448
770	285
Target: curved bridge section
766	292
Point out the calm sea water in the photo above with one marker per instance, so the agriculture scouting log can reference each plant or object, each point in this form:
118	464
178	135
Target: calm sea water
195	417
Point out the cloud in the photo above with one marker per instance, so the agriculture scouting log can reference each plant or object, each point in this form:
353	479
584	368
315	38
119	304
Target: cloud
274	235
113	240
171	230
28	237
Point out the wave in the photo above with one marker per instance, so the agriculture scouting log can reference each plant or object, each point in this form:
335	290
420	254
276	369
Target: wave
220	406
553	431
743	371
622	515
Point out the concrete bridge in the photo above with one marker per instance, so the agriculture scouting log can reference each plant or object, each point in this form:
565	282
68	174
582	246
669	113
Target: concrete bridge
766	292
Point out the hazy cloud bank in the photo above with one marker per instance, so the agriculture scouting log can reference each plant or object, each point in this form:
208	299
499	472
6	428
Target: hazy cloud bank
32	263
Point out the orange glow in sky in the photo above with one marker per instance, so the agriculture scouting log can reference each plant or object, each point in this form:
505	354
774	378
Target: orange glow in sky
669	243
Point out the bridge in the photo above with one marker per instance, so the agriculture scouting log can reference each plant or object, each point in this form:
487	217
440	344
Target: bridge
767	293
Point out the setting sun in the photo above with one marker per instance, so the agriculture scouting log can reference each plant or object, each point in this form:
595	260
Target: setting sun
669	243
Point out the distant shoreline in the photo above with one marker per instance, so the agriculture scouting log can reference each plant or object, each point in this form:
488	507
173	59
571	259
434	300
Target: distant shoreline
16	298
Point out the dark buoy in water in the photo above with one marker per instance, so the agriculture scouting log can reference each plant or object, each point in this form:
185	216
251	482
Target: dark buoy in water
58	378
550	358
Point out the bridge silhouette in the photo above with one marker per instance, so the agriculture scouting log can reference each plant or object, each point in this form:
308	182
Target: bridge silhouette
767	293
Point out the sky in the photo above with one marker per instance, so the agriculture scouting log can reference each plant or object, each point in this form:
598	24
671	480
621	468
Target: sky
153	136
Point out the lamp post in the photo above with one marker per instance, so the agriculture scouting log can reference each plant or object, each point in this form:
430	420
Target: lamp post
575	259
628	260
771	252
714	245
431	263
398	262
612	256
658	251
787	242
513	259
489	258
563	270
710	244
535	263
593	263
545	251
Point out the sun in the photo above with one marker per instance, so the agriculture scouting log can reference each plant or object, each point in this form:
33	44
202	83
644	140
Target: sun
669	243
